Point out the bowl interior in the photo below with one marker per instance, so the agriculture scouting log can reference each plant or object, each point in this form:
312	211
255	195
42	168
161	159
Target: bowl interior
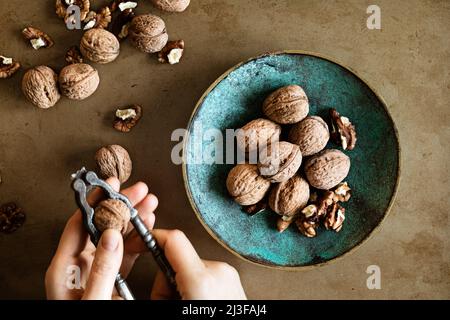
236	98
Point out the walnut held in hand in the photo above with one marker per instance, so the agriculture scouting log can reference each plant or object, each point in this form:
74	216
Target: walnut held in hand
112	214
100	46
171	5
311	135
245	185
78	81
286	105
289	197
327	169
279	162
148	33
114	161
39	85
257	134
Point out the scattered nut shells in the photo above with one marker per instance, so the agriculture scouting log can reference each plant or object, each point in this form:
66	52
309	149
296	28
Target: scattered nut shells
172	52
114	161
245	185
8	66
127	118
100	46
257	134
37	38
289	197
148	33
171	5
112	214
286	105
78	81
311	135
39	85
327	169
279	162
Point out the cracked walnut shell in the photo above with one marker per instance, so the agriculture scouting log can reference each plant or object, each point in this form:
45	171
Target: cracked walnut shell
327	169
245	185
114	161
78	81
112	214
257	134
279	162
311	135
286	105
147	32
171	5
100	46
8	66
39	85
289	197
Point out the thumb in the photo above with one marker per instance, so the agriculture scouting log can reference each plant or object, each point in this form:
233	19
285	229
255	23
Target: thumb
106	265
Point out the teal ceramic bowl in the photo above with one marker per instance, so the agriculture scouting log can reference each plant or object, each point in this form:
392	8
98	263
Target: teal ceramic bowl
236	98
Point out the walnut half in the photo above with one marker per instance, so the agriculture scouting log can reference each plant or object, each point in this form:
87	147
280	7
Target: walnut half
38	39
8	66
127	118
342	130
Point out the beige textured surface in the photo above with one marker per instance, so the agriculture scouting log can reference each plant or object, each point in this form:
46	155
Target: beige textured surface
407	62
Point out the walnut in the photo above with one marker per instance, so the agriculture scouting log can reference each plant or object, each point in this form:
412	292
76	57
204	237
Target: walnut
327	168
257	134
148	33
100	46
38	39
334	217
289	197
114	161
311	135
171	5
8	66
245	185
172	52
307	227
127	118
279	161
39	85
11	217
122	23
78	81
73	55
342	130
286	105
112	214
62	5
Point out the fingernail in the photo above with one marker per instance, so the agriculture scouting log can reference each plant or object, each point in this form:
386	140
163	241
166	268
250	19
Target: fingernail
110	239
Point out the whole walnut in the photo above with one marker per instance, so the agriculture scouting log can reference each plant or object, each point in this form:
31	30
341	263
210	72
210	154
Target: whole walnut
171	5
257	134
327	169
279	162
245	185
112	214
311	135
289	197
287	105
114	161
78	81
99	45
148	33
39	85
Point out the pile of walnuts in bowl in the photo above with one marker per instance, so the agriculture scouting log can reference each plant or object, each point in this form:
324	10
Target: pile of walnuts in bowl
298	179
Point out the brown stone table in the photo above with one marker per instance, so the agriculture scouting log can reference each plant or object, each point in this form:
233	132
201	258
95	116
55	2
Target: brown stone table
406	62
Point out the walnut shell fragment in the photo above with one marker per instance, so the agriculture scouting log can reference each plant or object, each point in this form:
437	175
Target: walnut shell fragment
279	161
8	66
37	38
112	214
311	135
78	81
245	185
100	19
40	87
342	130
114	161
286	105
127	118
172	52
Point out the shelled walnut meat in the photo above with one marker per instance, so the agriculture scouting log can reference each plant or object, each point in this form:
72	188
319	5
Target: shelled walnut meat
99	46
37	38
245	185
279	161
171	5
148	33
78	81
112	214
39	85
114	161
172	52
286	105
62	6
311	135
8	66
257	134
327	169
100	19
343	132
127	118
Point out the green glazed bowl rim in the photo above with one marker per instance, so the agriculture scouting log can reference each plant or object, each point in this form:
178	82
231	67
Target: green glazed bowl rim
184	167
